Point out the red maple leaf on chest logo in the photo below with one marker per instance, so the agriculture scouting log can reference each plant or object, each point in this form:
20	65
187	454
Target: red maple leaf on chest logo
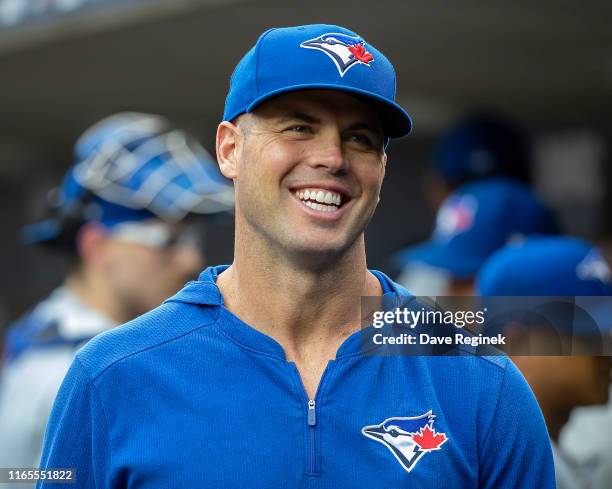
428	439
360	54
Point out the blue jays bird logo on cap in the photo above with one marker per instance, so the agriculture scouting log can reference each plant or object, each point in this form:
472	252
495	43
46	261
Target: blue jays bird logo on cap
408	438
345	51
456	216
594	267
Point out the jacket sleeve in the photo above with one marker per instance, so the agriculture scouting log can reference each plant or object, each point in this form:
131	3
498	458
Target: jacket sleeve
516	452
77	434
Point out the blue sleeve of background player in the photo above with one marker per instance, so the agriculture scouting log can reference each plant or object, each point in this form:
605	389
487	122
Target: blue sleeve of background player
77	434
516	452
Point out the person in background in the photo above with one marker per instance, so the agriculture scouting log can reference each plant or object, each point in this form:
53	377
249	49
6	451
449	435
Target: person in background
480	145
123	214
586	439
472	223
555	267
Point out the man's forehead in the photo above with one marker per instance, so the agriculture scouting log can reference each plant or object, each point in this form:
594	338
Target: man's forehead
321	103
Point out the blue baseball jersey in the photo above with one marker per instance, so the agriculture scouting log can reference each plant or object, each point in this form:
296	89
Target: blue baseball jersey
188	395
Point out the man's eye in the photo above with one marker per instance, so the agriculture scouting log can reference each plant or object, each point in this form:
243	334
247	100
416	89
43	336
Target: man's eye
300	129
361	138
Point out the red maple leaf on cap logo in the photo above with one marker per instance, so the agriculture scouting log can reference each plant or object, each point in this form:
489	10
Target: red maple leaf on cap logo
428	439
360	54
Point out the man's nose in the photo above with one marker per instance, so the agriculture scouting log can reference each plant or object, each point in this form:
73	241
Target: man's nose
329	152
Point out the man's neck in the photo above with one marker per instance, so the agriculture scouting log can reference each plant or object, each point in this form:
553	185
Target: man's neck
555	420
96	294
556	412
304	309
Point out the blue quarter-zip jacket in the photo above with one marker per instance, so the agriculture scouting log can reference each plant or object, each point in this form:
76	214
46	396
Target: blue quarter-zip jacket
189	396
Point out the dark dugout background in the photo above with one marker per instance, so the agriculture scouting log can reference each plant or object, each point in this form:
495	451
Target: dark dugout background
65	64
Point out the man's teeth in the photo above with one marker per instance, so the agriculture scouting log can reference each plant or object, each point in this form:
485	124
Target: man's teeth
320	200
320	207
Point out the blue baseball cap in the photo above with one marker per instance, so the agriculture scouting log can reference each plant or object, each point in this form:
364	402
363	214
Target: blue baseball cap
131	167
552	267
318	56
482	145
546	266
477	220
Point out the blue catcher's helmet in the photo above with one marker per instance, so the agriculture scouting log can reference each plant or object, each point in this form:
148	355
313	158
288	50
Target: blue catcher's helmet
129	167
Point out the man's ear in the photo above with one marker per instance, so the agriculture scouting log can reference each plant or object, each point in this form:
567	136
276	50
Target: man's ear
229	141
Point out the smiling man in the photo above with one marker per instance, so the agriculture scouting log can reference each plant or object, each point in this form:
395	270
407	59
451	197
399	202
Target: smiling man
253	376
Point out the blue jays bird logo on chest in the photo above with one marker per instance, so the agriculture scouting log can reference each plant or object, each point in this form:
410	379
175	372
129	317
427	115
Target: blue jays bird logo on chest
345	51
408	438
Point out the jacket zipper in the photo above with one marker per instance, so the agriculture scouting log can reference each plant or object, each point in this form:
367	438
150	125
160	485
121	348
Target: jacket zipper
312	422
312	462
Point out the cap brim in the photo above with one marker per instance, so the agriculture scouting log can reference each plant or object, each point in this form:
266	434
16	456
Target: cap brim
395	120
601	312
435	255
40	232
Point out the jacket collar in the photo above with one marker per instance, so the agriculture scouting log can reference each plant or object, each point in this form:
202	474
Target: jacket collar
204	292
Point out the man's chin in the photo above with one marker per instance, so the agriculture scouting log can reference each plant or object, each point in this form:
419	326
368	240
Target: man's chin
320	251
